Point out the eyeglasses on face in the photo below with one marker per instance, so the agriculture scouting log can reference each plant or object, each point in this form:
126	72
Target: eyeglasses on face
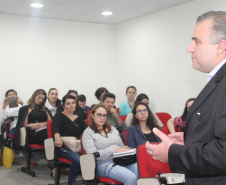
99	115
141	111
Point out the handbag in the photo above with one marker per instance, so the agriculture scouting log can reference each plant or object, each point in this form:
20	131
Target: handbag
125	158
72	143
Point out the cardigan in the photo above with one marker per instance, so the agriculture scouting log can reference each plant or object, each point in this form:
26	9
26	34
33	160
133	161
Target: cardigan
135	136
105	145
23	111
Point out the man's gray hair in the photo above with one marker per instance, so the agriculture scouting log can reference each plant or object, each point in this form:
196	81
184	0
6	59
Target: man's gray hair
218	24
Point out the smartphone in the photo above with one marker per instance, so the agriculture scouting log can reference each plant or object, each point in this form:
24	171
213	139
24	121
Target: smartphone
12	101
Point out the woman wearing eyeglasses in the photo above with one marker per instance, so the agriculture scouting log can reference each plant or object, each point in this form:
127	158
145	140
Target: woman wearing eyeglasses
103	138
67	124
142	124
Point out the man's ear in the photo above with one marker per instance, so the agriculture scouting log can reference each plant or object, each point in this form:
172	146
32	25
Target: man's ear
221	47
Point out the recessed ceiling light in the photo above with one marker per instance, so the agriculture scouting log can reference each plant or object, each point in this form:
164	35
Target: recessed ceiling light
36	5
106	13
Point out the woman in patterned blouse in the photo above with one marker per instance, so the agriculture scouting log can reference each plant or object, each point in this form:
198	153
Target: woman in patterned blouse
103	138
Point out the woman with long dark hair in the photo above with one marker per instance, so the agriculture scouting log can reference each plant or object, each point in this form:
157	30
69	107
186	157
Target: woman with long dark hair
179	122
142	124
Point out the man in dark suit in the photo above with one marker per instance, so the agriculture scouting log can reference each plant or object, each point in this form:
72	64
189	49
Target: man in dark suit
201	152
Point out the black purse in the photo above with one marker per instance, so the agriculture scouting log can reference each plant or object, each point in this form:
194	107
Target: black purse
125	160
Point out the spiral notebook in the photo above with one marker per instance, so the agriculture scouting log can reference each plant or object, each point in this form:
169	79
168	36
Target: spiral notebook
127	153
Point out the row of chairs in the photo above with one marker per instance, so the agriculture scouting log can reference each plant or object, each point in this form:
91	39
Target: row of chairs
58	162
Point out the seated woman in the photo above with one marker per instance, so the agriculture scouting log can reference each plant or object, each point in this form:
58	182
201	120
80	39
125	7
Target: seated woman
101	137
52	101
67	124
34	115
179	122
127	107
8	112
141	98
99	94
142	124
78	110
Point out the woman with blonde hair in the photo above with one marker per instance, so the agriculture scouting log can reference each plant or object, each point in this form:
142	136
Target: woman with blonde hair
35	116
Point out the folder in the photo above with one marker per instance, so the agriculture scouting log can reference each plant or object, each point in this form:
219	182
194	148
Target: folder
8	157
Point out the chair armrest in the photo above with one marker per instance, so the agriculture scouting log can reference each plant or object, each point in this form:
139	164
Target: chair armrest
49	149
148	181
23	134
88	166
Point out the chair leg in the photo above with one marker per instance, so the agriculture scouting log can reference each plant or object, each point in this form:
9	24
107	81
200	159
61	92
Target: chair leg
27	168
57	178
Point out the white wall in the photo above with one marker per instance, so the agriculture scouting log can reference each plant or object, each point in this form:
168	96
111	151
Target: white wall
43	53
151	54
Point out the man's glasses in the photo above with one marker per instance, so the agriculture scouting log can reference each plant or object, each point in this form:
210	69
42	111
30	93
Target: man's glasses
99	115
142	111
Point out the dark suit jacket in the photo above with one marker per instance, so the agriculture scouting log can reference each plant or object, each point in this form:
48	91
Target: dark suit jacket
203	158
135	136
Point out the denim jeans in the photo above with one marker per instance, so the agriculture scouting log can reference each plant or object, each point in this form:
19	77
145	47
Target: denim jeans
74	157
127	175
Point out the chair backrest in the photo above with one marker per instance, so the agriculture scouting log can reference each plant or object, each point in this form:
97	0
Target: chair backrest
123	117
88	113
117	110
83	150
50	128
124	136
165	130
164	117
86	122
147	166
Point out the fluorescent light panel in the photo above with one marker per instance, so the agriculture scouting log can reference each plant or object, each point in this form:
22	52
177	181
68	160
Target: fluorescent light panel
106	13
36	5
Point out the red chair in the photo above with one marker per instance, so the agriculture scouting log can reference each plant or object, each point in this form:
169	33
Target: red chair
86	122
29	148
88	113
5	130
165	130
124	136
117	110
57	162
123	118
147	166
164	117
97	179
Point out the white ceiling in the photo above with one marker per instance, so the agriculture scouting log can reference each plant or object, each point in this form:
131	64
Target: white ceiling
87	10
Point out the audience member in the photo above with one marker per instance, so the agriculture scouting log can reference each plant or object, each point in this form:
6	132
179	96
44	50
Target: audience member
101	137
66	123
113	117
127	107
82	104
78	110
179	122
12	112
35	116
142	124
99	94
141	98
52	101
